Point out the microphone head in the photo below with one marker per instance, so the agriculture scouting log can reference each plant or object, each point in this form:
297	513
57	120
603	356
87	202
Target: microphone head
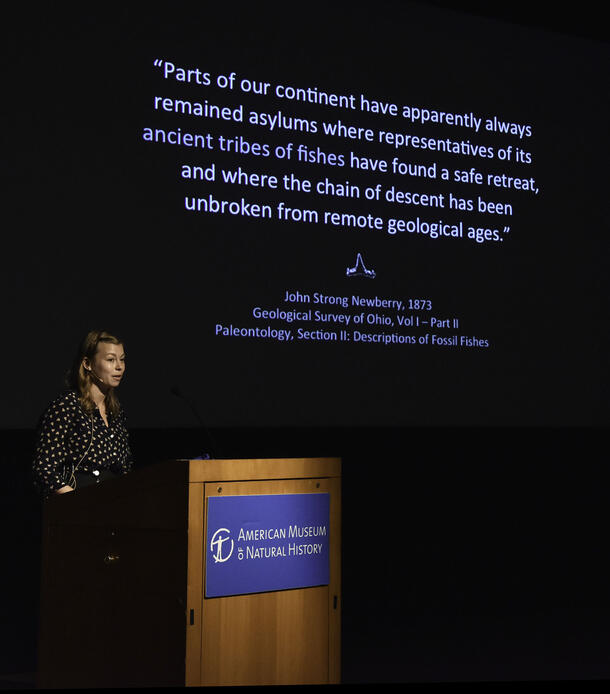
174	390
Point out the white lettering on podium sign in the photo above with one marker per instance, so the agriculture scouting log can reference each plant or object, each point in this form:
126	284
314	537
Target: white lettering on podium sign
263	543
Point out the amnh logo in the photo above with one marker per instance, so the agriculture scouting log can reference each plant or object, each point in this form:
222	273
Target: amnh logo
217	545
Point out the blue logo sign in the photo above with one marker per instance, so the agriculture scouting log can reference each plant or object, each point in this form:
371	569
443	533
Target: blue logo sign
256	544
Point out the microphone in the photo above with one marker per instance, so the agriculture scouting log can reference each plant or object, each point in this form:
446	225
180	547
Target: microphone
175	390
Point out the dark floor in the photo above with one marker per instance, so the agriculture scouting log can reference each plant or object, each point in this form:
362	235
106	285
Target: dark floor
21	680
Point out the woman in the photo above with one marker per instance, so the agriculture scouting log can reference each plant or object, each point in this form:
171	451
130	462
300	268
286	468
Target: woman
82	437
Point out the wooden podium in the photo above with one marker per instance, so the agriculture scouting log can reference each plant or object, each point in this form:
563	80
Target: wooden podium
123	576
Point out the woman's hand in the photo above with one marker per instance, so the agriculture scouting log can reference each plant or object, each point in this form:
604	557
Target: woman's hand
64	489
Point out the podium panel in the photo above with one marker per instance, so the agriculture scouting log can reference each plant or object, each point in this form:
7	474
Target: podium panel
123	599
252	639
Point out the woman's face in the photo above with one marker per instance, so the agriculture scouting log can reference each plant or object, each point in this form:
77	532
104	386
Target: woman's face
108	364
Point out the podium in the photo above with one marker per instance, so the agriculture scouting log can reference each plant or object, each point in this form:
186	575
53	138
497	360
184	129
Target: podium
124	571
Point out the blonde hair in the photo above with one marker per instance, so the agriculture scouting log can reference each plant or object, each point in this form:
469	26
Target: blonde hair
80	378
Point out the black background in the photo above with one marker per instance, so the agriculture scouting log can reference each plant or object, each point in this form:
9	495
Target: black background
471	552
99	234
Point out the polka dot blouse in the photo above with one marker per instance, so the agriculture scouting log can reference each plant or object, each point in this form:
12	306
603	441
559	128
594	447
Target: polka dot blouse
64	436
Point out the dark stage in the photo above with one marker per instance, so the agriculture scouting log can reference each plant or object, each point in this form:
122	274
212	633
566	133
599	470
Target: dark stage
484	559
